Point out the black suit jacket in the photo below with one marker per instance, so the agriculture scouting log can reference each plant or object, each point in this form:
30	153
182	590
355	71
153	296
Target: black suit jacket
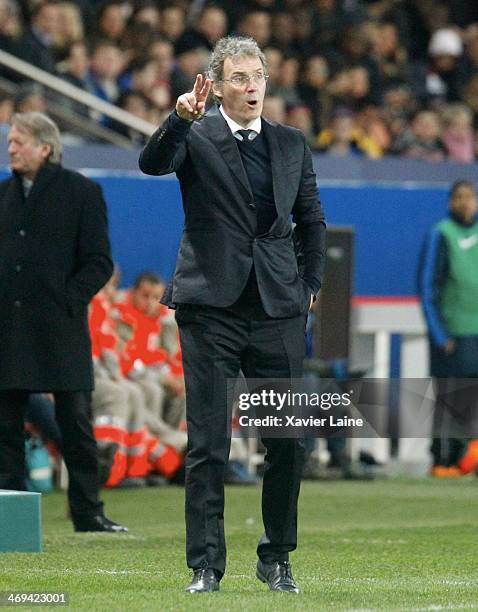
54	256
219	243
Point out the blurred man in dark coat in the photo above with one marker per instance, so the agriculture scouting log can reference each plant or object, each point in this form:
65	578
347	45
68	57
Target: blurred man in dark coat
54	256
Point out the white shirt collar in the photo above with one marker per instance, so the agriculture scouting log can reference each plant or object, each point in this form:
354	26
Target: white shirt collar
256	125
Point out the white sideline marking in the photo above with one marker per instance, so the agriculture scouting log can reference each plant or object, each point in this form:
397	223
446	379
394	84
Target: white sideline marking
368	541
125	572
82	572
388	581
430	608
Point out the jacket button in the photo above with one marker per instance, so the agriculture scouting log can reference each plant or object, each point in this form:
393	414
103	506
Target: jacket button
17	304
252	205
22	233
18	268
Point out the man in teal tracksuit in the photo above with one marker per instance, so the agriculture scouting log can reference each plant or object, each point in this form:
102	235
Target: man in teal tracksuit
448	285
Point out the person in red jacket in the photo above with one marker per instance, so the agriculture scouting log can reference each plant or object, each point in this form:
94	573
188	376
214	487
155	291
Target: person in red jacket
119	404
145	361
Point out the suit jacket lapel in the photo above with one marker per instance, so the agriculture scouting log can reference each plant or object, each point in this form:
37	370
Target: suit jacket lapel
219	133
277	155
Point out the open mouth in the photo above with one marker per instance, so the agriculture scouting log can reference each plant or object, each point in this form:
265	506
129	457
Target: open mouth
252	103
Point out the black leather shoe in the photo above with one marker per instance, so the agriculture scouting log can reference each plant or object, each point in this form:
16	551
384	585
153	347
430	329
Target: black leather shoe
98	522
204	581
278	576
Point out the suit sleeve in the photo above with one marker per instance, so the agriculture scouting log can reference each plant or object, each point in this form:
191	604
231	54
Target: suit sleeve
310	224
94	266
431	276
165	151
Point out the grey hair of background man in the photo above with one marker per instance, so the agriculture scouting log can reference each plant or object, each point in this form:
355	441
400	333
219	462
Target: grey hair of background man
43	129
233	46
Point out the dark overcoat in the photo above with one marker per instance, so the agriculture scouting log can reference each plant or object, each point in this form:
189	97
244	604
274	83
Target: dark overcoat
54	257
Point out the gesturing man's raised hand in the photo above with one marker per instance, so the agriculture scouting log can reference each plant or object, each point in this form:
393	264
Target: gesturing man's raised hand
191	105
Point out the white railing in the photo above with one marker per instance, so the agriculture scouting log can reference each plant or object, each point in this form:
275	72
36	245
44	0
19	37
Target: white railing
75	93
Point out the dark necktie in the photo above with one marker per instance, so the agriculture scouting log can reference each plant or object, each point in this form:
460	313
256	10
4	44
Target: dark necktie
245	135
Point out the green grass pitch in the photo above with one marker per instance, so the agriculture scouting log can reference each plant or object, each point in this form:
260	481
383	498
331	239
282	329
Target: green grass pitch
383	545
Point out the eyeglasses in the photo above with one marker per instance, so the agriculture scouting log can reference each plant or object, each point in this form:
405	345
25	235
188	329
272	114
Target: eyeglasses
243	79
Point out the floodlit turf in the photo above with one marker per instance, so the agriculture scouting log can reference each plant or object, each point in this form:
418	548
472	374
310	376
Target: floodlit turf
399	544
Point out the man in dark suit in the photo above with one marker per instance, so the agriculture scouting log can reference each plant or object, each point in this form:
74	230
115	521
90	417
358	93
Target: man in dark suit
54	256
240	301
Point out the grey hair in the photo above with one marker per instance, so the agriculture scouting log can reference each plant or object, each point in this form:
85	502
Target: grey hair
233	46
43	129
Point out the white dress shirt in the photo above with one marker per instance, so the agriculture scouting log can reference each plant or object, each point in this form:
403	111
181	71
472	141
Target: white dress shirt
255	126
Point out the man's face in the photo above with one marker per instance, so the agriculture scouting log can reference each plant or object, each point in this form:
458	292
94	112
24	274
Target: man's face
242	102
146	297
464	203
27	155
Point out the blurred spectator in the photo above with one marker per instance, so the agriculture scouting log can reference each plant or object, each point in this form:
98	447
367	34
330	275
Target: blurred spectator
313	90
7	105
137	41
329	22
70	28
274	57
256	24
137	103
38	44
141	75
343	138
274	109
162	51
111	20
304	43
399	106
287	85
283	28
458	136
105	68
409	17
422	139
10	26
209	27
147	14
75	69
360	87
30	98
172	22
300	117
390	56
190	61
371	121
354	51
436	14
442	78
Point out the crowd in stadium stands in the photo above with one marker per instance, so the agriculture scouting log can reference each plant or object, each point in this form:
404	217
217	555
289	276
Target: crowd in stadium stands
363	77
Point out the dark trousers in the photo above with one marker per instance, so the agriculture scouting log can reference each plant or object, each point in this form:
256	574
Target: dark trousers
73	414
216	344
